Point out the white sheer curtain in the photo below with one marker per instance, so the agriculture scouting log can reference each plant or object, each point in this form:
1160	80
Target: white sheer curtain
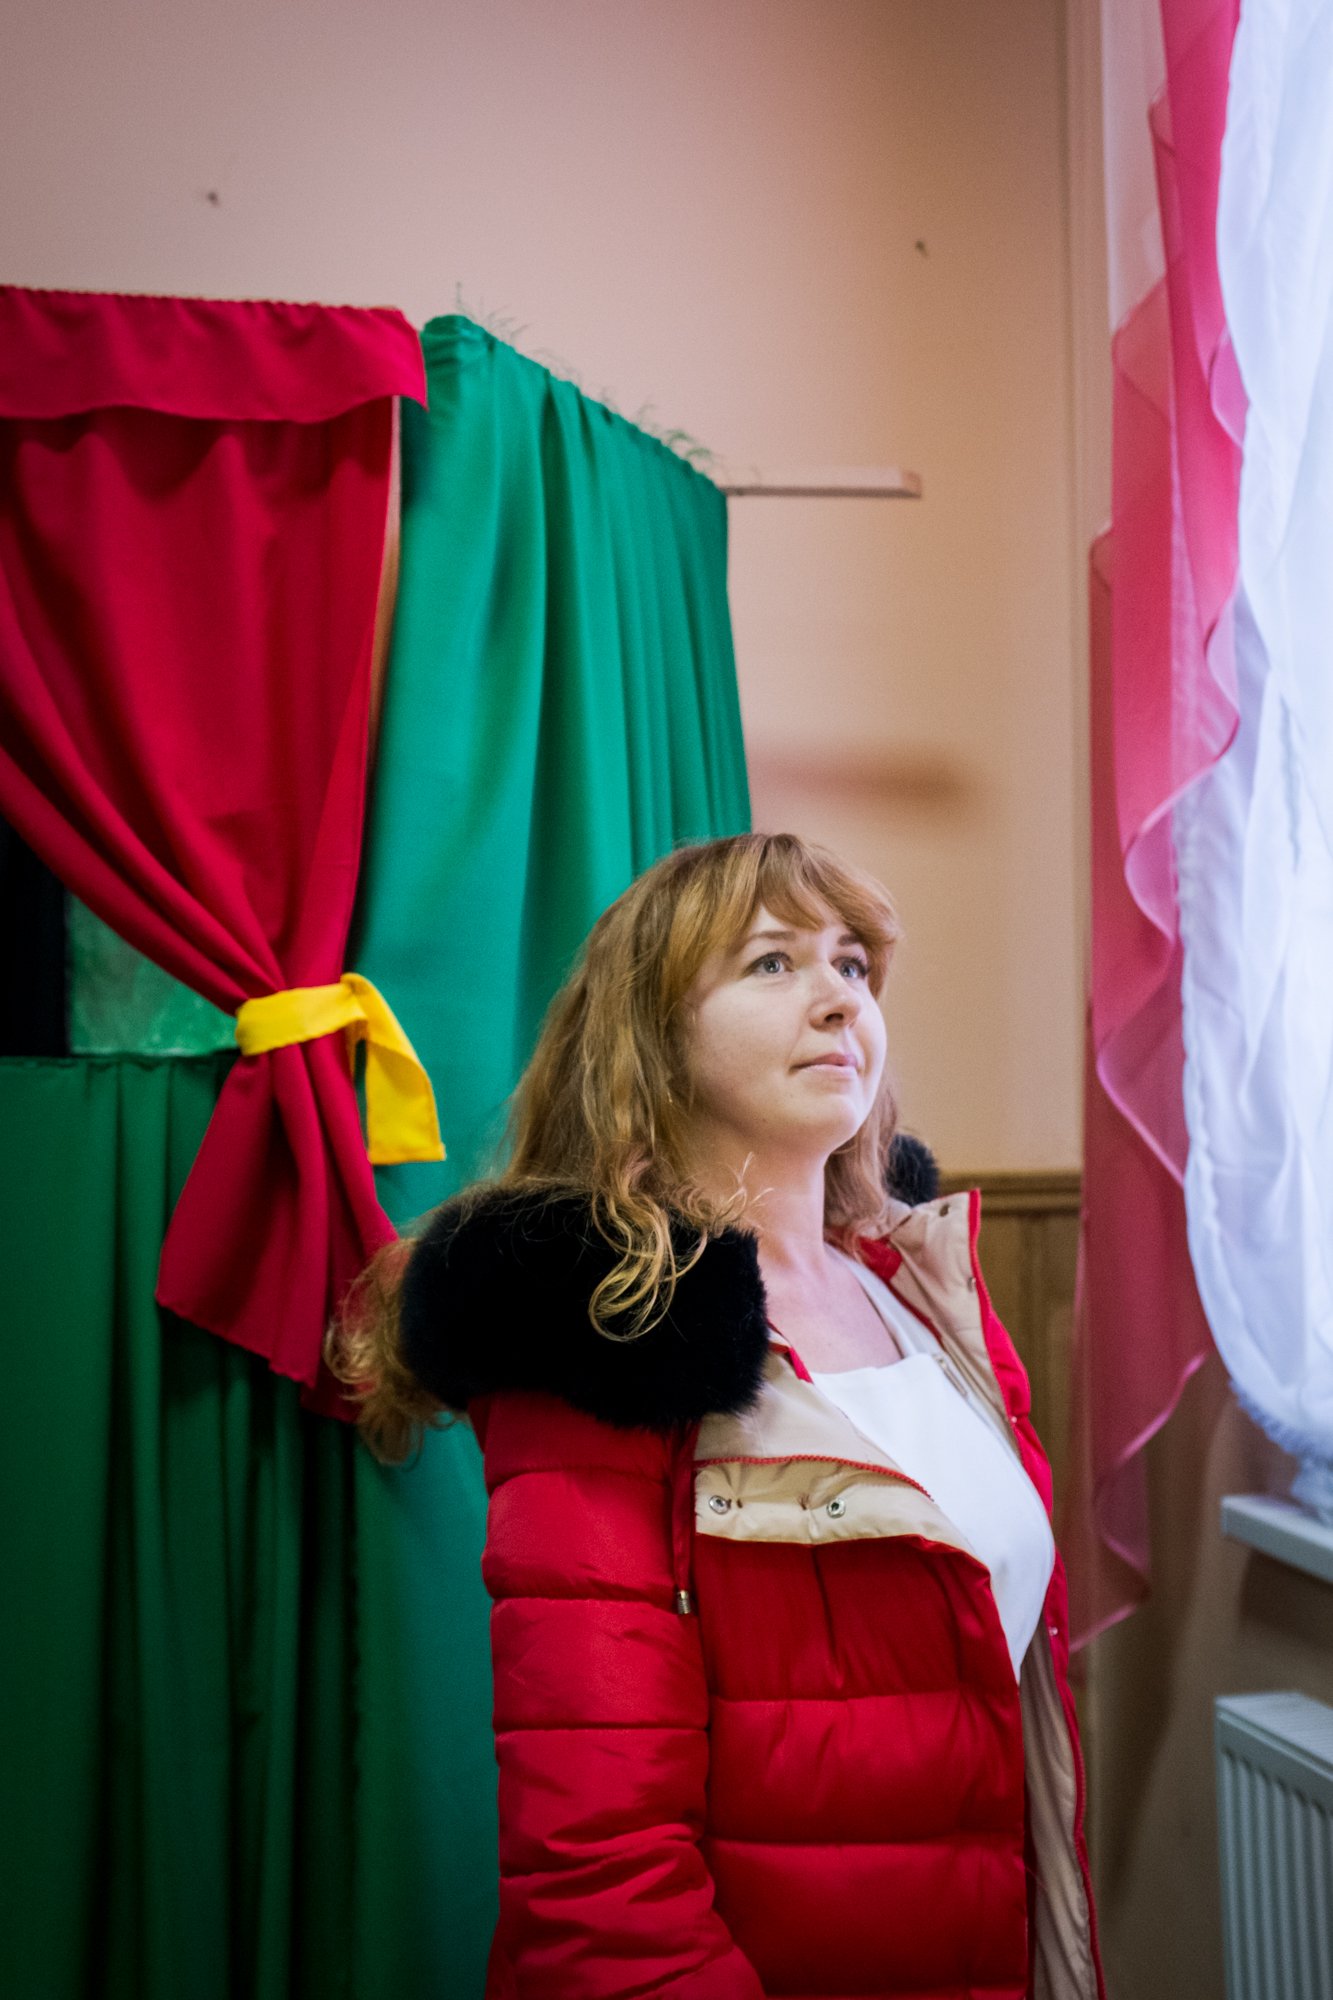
1254	840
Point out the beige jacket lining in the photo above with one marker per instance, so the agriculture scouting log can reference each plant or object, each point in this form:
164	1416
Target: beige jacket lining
779	1465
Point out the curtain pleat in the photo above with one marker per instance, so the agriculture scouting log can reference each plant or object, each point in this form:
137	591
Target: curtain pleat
245	1687
1254	841
560	709
176	1708
1162	712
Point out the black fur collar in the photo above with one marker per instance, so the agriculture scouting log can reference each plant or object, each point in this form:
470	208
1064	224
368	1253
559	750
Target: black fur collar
495	1296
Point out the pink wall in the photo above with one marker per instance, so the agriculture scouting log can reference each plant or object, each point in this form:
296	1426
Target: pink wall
714	209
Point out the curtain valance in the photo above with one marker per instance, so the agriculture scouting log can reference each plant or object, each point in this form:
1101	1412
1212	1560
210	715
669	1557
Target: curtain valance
235	361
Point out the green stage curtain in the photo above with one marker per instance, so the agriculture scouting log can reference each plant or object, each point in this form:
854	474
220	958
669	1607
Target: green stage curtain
197	1651
245	1700
560	709
175	1713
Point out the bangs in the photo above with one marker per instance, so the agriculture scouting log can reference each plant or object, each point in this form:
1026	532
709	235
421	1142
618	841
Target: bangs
605	1104
803	885
718	887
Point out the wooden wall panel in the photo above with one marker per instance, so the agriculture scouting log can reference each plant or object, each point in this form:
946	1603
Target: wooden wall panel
1029	1254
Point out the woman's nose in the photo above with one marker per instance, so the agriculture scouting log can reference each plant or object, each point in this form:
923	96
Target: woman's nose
835	994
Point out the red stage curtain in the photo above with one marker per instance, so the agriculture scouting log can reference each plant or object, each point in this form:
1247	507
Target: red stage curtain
194	500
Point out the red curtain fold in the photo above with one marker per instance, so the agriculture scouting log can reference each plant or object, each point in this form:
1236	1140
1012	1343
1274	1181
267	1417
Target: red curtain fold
187	605
1163	710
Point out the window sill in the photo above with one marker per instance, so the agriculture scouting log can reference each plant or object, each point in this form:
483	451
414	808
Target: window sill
1281	1529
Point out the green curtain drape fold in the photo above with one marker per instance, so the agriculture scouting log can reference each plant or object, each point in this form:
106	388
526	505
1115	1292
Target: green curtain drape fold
560	709
222	1619
245	1695
175	1712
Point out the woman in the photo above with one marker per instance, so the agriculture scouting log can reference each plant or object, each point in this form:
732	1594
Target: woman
781	1702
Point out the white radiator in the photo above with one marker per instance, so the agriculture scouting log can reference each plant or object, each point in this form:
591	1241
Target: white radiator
1275	1824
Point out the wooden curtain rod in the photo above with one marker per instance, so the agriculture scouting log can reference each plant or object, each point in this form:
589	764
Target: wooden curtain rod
842	482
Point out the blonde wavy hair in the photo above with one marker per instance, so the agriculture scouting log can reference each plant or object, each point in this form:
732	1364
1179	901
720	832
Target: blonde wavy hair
603	1108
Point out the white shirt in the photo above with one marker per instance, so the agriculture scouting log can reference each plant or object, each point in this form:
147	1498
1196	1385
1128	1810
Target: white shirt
948	1440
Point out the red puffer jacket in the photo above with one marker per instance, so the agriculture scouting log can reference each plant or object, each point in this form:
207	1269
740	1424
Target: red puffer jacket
757	1727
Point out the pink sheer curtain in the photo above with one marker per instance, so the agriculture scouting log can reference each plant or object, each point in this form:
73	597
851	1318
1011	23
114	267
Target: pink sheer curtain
1162	711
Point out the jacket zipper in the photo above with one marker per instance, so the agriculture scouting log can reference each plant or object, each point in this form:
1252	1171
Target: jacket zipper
682	1518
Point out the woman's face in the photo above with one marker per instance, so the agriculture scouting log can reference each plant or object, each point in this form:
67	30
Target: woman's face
785	1039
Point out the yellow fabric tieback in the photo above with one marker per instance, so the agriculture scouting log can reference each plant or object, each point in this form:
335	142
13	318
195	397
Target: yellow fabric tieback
401	1121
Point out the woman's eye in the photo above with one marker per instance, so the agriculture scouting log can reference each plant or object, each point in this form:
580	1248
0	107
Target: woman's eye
778	958
862	969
